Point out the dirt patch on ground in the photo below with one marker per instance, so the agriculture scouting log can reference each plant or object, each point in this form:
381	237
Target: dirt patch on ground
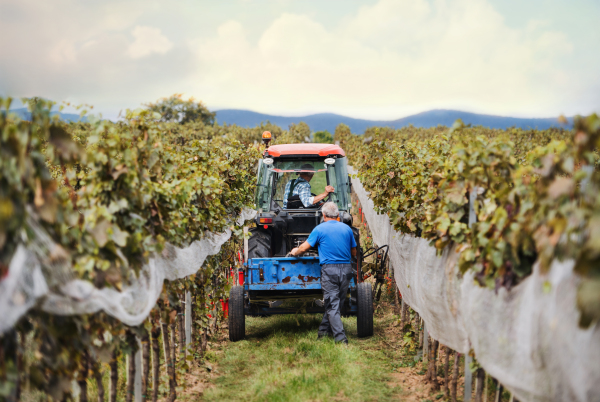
341	396
411	382
203	373
197	382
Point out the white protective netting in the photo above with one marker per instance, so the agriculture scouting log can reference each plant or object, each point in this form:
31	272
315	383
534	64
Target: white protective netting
35	269
527	338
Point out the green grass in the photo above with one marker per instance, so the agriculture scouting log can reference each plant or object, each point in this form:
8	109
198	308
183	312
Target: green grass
281	360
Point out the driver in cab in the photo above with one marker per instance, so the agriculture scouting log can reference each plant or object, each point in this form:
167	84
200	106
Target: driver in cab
301	187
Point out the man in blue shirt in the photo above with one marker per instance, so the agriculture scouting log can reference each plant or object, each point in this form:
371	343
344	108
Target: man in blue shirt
336	245
301	188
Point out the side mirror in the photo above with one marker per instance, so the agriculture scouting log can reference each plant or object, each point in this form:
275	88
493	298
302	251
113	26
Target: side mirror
346	218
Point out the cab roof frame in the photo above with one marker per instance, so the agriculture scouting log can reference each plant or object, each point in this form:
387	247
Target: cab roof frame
309	150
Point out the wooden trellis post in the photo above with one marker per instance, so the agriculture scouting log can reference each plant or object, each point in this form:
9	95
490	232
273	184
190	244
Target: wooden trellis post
425	343
468	358
137	384
188	318
468	378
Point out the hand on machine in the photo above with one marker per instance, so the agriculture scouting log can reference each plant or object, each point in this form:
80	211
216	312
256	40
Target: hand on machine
297	251
324	197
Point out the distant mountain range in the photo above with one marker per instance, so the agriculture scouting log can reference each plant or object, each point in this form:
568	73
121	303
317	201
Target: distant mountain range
24	114
433	118
328	121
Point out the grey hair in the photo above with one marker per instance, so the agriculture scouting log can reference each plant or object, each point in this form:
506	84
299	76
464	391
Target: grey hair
330	210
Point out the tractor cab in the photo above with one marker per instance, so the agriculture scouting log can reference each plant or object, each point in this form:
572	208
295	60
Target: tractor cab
285	218
281	164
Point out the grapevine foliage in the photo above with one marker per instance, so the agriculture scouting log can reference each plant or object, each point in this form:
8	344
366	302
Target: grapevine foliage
109	195
535	196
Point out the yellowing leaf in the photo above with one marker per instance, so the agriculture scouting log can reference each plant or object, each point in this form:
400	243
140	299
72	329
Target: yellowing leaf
99	232
561	186
119	236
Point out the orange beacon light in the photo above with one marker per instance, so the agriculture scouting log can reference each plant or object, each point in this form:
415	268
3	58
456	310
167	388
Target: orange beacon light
266	136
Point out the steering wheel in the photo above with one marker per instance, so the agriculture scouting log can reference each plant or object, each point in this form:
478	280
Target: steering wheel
324	200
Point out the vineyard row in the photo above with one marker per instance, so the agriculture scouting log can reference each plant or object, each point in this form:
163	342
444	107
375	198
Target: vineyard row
533	203
97	206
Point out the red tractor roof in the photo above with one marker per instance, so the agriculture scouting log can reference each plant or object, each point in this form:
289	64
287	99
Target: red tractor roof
305	149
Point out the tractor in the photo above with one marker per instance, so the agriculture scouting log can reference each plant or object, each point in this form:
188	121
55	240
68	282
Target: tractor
272	278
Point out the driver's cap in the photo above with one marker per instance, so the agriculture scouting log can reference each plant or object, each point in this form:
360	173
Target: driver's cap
307	166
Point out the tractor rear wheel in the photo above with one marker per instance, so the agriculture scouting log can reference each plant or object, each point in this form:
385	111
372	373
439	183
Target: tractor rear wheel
237	320
364	316
259	244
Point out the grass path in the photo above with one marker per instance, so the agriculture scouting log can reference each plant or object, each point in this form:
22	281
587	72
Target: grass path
281	360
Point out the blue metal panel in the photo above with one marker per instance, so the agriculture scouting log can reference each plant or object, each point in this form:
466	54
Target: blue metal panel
352	310
284	286
284	273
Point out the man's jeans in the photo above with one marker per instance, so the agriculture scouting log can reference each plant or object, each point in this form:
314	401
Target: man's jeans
335	279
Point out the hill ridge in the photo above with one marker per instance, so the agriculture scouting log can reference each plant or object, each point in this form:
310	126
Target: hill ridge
328	121
431	118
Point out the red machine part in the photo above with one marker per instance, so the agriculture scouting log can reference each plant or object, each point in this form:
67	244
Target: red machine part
305	149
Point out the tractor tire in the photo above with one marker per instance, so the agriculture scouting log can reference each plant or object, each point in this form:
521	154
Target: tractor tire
237	320
259	244
364	316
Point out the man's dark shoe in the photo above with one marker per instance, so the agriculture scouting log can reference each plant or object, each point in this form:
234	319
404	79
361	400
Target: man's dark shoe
321	335
343	342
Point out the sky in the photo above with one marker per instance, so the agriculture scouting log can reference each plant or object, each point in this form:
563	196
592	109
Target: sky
374	59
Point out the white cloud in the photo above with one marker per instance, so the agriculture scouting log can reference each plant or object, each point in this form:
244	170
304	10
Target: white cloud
383	60
148	40
391	58
70	51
